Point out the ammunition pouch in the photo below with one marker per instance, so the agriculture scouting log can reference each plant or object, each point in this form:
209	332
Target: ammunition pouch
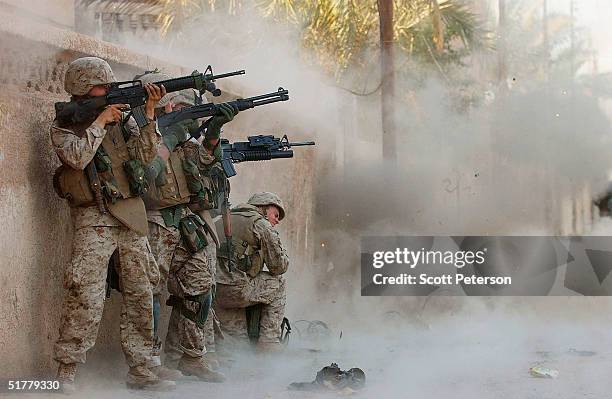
135	173
73	185
193	233
244	258
199	316
172	216
102	161
197	170
193	177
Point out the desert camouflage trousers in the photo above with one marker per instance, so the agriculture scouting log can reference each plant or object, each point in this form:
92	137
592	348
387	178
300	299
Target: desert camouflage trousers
189	275
85	282
266	289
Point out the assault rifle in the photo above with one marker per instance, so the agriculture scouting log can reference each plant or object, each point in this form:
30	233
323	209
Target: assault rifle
258	148
210	109
133	93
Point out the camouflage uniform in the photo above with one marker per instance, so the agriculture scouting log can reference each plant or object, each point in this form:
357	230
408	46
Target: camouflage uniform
189	275
186	271
97	235
256	243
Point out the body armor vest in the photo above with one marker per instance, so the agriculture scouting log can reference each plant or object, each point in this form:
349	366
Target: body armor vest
203	187
73	184
175	190
246	246
117	150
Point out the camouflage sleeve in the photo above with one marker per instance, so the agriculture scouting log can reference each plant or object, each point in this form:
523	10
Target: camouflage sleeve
73	150
272	250
205	157
143	144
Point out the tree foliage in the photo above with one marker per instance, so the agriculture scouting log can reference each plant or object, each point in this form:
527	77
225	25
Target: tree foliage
342	34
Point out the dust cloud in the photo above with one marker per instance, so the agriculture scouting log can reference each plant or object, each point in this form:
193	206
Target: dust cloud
500	165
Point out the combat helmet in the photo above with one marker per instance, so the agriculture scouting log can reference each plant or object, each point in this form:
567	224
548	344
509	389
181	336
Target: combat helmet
267	198
188	97
154	77
84	73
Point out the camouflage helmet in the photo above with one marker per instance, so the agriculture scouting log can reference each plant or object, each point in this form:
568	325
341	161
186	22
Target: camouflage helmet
187	96
154	77
266	198
84	73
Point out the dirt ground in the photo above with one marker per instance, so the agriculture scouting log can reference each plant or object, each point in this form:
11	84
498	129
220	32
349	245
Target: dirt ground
457	357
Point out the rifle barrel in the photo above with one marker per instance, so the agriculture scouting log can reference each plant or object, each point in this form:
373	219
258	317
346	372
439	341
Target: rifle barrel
280	93
225	75
299	143
269	101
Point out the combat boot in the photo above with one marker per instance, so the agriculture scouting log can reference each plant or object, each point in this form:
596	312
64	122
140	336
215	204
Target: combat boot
171	362
140	377
166	373
65	375
197	367
211	360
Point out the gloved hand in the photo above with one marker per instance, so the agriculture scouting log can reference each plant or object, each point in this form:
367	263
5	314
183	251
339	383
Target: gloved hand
214	127
154	170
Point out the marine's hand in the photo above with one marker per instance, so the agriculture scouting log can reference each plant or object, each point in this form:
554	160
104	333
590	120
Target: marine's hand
227	114
154	94
228	111
111	114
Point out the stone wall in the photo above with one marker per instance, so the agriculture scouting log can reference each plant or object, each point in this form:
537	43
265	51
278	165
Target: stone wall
36	234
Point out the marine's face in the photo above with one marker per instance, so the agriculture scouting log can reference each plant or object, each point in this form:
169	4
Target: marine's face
273	215
179	106
98	91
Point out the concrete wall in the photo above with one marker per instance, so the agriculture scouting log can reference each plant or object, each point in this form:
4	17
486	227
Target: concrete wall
35	241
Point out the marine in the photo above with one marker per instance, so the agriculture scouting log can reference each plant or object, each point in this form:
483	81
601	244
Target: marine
101	177
250	301
182	242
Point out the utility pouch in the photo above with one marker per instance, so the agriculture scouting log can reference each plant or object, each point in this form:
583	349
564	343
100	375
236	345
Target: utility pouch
204	201
135	173
172	216
102	161
193	232
193	177
73	185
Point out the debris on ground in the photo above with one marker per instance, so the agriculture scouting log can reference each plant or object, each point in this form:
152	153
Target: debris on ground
334	379
576	352
314	330
545	354
543	372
